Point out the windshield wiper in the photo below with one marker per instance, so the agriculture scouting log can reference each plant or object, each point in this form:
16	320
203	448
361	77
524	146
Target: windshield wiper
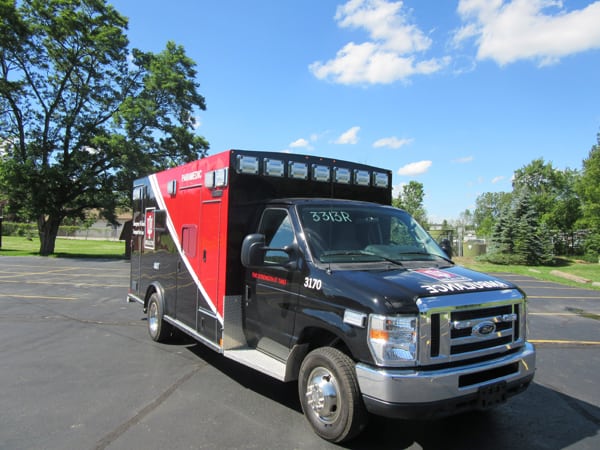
429	254
360	253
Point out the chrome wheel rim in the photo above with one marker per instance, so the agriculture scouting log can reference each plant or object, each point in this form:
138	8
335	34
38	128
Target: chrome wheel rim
153	318
322	395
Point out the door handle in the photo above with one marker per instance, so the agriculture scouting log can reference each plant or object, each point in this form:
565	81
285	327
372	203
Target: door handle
248	295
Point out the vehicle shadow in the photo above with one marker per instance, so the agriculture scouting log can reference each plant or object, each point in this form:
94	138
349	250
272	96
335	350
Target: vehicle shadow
540	418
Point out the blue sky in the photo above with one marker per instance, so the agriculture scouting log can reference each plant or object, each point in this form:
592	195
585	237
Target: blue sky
456	95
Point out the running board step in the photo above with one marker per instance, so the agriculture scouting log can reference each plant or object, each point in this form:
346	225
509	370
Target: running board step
258	360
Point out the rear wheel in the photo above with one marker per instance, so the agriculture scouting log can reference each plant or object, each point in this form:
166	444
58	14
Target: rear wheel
330	396
158	329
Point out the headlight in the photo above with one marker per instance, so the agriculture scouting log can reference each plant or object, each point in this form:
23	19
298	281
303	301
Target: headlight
393	340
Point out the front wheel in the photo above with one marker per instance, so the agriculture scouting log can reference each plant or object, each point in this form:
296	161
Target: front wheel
330	396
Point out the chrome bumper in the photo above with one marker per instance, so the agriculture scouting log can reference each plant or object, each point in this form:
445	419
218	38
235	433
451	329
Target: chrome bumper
421	393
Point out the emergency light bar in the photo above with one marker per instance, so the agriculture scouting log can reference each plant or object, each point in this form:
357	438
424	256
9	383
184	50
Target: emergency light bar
251	165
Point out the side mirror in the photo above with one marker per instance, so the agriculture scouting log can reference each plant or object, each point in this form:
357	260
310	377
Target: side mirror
253	250
256	254
447	247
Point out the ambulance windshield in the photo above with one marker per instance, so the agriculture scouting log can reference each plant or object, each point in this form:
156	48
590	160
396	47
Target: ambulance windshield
350	234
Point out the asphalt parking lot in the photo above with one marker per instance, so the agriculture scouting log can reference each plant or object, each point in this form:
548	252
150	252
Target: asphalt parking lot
78	371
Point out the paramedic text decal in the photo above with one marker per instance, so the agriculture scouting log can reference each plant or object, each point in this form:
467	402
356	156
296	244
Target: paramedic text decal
451	282
269	278
458	286
150	227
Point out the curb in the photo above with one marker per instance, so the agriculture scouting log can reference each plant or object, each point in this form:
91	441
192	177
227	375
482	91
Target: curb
572	277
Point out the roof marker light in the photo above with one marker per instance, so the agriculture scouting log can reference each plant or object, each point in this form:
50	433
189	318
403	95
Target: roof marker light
342	175
321	173
380	179
361	177
247	164
274	167
298	170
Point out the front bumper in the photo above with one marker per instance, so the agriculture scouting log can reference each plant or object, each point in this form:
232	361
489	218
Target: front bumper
433	393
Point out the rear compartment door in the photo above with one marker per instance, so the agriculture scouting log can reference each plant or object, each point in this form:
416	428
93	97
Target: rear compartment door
209	257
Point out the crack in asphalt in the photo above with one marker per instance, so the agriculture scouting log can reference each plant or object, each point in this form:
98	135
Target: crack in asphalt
137	418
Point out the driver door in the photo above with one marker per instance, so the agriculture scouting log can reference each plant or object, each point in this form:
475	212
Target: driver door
272	289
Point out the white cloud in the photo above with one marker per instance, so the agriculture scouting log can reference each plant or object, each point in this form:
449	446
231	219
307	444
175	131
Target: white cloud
385	23
389	55
415	168
463	160
392	142
300	143
349	137
541	30
497	179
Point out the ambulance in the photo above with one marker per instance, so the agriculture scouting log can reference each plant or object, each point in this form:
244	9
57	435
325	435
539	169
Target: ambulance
298	267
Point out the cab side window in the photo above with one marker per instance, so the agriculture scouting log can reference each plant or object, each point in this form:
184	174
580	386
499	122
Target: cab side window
277	228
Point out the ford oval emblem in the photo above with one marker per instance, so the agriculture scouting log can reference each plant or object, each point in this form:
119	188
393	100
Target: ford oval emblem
483	329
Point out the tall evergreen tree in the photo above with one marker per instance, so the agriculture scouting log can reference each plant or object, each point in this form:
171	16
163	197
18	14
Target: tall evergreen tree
518	236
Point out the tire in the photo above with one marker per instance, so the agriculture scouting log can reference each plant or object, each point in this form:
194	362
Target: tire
330	396
158	329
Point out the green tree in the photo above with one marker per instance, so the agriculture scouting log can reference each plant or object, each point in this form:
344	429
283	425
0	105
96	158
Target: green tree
78	121
553	196
563	215
518	236
465	220
552	193
488	207
588	187
541	181
410	199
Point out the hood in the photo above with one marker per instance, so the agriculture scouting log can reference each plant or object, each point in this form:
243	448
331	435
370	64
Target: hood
400	289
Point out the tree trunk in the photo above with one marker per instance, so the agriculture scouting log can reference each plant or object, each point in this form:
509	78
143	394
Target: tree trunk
48	230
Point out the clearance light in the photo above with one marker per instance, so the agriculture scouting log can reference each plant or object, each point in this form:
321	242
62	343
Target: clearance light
361	177
342	175
172	187
298	170
274	167
216	178
247	164
320	173
380	179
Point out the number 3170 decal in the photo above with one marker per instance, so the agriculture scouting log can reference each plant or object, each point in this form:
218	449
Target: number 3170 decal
312	283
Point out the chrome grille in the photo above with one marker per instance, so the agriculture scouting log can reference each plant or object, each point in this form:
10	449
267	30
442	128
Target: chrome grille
467	326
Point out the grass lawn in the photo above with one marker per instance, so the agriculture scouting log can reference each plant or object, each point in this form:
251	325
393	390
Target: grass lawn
78	248
65	248
588	271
